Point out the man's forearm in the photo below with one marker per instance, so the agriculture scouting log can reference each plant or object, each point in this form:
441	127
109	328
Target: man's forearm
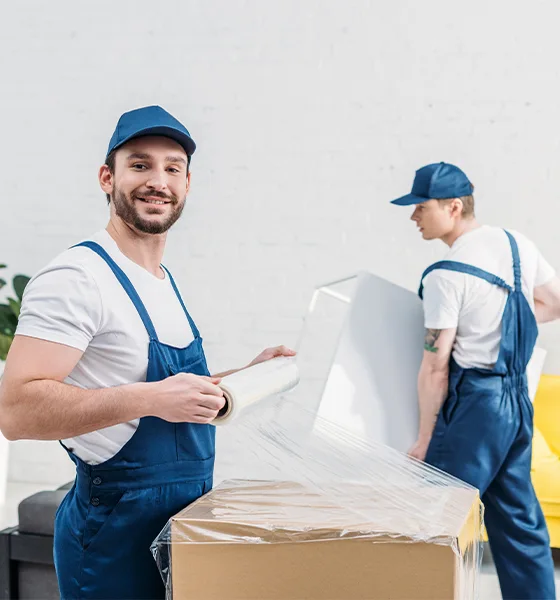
545	313
432	391
50	410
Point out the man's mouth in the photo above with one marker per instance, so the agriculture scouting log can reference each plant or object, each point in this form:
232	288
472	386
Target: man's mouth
151	200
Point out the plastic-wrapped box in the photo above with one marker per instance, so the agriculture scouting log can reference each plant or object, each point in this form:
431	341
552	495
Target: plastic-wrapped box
336	517
282	540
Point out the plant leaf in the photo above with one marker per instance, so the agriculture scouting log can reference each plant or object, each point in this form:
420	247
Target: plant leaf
2	283
3	266
20	281
8	320
15	305
5	343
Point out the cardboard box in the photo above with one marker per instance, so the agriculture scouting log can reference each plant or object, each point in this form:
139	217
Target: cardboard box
248	540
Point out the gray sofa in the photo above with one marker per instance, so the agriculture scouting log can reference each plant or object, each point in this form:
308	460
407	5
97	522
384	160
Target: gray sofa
26	551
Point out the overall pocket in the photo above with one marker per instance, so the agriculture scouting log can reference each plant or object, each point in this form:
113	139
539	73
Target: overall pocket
449	407
193	367
101	512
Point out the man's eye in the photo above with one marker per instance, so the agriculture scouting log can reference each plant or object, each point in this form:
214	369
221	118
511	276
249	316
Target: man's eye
173	169
139	166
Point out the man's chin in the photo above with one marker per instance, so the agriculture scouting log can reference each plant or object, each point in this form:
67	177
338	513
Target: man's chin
152	226
147	224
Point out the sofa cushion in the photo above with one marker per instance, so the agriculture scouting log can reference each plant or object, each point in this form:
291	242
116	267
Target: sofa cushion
547	410
66	486
36	513
545	475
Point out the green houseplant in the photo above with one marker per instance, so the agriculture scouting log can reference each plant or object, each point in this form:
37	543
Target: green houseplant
9	312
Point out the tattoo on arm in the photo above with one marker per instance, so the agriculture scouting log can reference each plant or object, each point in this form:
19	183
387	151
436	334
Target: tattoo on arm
430	339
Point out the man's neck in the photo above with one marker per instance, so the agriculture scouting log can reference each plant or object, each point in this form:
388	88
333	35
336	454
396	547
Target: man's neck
144	249
462	227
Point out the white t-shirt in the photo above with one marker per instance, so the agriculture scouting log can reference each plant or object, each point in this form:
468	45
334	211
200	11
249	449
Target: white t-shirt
77	300
472	304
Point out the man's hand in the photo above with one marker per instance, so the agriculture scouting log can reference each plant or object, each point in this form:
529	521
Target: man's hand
262	357
419	449
272	353
186	398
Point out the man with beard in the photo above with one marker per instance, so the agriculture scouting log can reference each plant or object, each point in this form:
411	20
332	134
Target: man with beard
108	360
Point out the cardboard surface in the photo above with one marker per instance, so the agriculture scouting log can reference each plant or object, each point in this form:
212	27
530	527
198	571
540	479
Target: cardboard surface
280	541
337	569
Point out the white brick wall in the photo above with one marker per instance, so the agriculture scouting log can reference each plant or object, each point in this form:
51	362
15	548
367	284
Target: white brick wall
309	115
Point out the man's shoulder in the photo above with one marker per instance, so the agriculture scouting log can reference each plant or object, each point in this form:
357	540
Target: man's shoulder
497	238
75	262
492	233
522	239
485	244
62	302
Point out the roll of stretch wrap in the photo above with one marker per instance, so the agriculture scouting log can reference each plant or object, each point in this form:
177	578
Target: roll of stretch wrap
254	384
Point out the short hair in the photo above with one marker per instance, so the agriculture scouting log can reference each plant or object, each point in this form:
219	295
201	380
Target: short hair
468	205
110	162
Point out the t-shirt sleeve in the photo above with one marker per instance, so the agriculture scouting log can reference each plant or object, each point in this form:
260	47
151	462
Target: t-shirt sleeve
545	272
61	304
442	302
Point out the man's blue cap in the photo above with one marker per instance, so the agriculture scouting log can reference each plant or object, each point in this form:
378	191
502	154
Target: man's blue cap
437	181
150	120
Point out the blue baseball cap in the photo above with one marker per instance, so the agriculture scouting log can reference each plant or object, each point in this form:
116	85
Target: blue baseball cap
150	120
437	181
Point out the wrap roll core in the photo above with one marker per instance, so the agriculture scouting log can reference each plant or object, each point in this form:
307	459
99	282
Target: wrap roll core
254	384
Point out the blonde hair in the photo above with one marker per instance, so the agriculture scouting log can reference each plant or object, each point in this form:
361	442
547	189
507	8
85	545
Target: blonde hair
468	205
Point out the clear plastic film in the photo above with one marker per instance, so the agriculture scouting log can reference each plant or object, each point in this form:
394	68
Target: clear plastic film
304	508
298	478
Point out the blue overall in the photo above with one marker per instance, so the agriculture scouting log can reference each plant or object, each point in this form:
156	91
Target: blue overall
483	435
107	522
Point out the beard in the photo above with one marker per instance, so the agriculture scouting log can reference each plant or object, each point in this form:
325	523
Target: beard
126	209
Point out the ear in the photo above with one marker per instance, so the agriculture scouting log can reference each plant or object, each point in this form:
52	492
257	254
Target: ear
106	179
188	182
456	207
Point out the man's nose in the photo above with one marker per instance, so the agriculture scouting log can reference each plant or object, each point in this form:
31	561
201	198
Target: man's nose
157	181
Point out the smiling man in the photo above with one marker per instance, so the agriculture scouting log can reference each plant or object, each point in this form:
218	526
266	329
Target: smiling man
108	360
481	307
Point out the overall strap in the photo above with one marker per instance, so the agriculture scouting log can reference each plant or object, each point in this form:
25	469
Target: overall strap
194	330
127	285
452	265
516	261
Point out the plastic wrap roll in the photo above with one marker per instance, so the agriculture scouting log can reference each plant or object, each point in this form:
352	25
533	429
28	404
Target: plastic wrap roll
254	384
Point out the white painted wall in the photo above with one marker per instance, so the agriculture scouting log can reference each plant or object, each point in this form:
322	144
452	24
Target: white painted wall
309	115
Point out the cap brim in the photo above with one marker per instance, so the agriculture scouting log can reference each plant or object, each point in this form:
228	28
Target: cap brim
178	136
408	200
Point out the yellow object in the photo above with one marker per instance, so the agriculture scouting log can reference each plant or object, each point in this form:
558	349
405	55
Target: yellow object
547	410
545	470
545	467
